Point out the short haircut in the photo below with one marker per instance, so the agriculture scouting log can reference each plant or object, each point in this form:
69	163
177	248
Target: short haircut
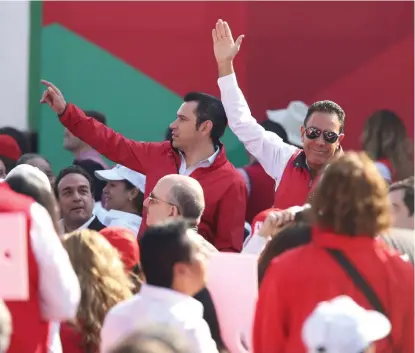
327	107
98	116
275	128
161	247
209	108
407	185
157	338
73	169
186	201
24	158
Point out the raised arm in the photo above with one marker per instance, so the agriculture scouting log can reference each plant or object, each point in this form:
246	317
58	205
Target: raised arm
267	147
132	154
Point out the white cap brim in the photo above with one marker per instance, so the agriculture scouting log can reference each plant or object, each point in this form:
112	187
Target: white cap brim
376	326
108	175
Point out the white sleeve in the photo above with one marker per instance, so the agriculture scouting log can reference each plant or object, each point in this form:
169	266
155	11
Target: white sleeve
384	171
59	288
200	338
267	147
246	178
112	331
255	245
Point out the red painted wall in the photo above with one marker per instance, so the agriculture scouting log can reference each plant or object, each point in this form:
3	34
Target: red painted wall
359	54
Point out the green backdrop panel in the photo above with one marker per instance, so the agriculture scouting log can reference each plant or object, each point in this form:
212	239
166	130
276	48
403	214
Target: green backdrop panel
135	105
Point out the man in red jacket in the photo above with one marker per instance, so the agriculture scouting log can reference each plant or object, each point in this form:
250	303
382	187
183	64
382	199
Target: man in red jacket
195	150
294	170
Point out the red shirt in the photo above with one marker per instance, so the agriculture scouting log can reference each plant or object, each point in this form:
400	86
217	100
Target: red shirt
225	192
299	279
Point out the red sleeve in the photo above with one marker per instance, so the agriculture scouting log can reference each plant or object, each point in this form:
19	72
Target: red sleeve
114	146
269	335
408	328
231	218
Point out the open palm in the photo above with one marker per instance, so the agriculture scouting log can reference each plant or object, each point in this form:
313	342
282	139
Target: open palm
224	47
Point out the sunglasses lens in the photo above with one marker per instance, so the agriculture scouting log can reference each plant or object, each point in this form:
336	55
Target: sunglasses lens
330	137
312	133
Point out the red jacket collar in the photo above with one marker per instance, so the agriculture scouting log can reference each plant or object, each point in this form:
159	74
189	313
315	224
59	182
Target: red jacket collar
328	239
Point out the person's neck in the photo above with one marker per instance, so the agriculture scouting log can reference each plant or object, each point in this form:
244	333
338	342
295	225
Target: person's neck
198	153
83	149
314	168
129	209
70	227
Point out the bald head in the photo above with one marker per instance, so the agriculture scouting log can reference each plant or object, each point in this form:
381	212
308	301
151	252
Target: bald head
186	193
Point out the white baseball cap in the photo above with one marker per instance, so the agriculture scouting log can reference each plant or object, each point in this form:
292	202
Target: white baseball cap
119	172
342	326
291	119
28	171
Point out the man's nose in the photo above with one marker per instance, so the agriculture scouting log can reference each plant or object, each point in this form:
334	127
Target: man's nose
145	203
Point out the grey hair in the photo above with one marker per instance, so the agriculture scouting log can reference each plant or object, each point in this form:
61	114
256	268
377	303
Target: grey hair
188	201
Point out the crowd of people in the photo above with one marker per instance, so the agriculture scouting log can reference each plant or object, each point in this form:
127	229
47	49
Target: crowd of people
118	257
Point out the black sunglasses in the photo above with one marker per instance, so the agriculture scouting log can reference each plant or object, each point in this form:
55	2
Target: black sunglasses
329	136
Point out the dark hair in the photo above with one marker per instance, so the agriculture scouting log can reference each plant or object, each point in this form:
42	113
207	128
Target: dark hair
24	158
161	247
138	200
36	190
73	169
292	236
275	128
96	115
407	185
209	108
327	107
19	136
8	163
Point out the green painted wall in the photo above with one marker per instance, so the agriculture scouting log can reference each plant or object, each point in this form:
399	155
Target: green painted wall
91	78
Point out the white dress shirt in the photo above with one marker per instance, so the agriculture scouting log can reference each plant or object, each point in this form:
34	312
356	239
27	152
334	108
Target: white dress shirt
184	170
84	226
115	218
156	305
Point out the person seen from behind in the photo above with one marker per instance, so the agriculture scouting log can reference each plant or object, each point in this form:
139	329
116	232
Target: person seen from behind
385	140
104	283
39	162
194	150
340	325
294	170
175	270
349	209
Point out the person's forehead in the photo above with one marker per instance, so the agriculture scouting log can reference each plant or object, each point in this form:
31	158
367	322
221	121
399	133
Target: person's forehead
162	187
324	121
187	109
73	180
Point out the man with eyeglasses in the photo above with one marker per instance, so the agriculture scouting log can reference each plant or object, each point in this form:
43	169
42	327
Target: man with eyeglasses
294	170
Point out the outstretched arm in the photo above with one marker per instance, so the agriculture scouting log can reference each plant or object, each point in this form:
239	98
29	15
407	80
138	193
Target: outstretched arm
267	147
132	154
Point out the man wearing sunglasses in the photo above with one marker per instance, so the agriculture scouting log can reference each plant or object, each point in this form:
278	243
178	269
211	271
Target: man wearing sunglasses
294	170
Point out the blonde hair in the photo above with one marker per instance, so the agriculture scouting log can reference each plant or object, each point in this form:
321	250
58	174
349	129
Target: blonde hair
352	197
102	278
384	137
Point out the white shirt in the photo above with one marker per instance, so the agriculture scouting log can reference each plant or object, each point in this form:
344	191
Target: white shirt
127	220
267	147
156	305
84	226
202	164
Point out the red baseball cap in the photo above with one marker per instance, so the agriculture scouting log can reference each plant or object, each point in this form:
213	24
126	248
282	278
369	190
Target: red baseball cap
9	148
260	218
124	240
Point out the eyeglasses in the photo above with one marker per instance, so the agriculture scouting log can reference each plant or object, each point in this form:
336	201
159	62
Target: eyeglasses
329	136
154	199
